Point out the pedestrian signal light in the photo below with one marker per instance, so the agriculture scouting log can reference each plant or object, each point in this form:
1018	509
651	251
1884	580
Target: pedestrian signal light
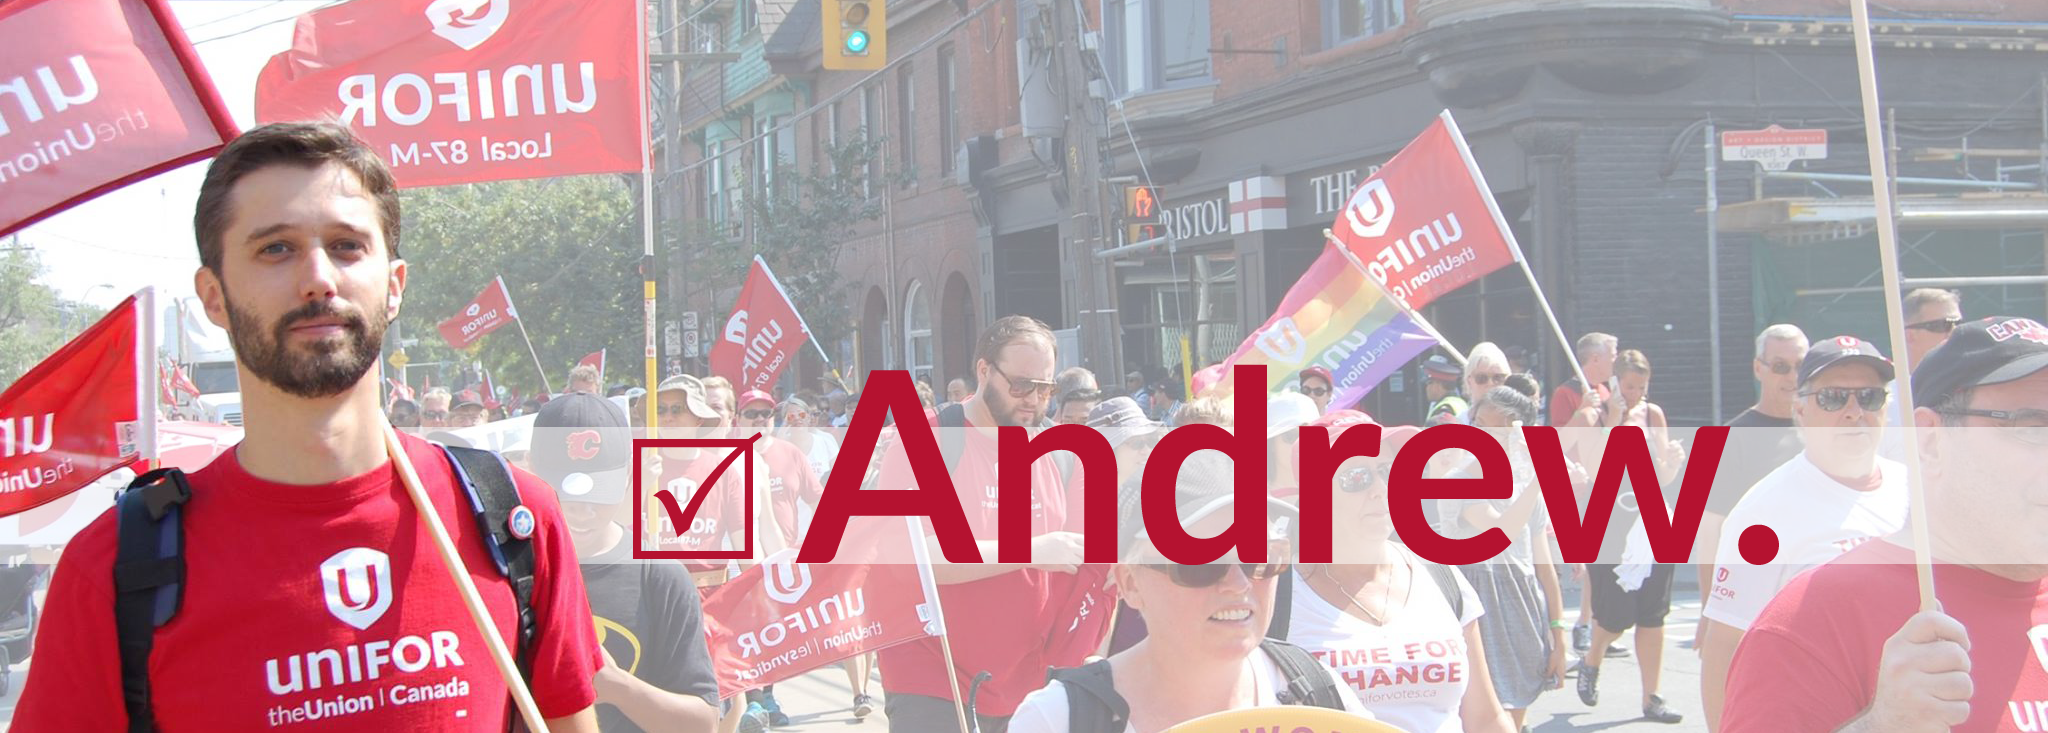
856	35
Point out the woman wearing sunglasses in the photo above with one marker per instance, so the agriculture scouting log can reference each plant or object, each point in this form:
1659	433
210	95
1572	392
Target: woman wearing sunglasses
1524	627
1402	632
1206	651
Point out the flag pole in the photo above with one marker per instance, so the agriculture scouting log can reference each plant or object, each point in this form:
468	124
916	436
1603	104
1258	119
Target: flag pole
811	337
1406	310
647	285
923	555
523	337
146	409
494	643
1888	259
1493	207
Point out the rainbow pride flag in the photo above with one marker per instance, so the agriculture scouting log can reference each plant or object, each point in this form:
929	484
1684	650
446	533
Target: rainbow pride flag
1334	319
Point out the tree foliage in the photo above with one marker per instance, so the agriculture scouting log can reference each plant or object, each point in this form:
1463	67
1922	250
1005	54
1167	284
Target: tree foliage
34	322
799	225
569	252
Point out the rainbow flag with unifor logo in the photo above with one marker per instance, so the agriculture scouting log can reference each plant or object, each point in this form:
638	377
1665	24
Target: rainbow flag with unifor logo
1334	319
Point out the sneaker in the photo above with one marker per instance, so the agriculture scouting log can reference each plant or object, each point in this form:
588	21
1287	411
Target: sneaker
863	706
1656	712
754	720
776	718
1589	685
1617	651
1582	638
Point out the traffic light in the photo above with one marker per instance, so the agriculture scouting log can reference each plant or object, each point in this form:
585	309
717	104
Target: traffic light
1141	214
856	34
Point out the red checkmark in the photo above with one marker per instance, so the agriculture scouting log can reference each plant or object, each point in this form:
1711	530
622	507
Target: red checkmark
680	516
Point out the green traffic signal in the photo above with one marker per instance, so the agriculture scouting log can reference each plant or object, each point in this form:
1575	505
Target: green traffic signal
857	42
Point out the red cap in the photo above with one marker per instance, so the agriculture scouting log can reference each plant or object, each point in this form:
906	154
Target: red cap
1341	419
754	395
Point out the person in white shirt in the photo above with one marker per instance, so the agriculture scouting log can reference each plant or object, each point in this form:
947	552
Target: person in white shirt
1836	494
1401	632
1206	652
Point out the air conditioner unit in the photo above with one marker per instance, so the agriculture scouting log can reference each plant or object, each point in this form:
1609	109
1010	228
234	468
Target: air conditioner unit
973	160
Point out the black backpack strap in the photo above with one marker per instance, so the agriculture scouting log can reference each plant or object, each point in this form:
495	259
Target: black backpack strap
149	578
494	498
1283	607
1093	705
1308	681
1447	582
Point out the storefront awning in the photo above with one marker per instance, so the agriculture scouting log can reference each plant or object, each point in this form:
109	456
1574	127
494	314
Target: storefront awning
1806	220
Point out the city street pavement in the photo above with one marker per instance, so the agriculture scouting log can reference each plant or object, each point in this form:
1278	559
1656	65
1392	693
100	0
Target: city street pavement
821	702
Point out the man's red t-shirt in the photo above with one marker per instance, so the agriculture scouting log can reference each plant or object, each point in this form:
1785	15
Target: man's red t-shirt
1567	399
720	522
789	479
317	603
1014	626
1811	660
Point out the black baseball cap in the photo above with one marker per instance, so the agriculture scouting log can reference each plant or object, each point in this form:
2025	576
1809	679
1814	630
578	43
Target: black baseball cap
1441	367
583	447
1994	350
1843	350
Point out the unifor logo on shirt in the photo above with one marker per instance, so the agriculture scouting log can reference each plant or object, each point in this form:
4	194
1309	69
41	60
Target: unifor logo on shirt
357	583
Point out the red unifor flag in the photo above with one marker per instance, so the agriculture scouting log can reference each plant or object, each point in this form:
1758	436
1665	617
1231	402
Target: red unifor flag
595	360
762	335
81	413
1426	224
487	312
100	94
782	618
463	91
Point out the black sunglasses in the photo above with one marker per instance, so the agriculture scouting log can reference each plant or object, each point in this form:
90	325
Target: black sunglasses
1833	399
757	414
1316	391
1028	386
671	410
1940	325
435	414
1780	368
1486	379
1204	576
2026	426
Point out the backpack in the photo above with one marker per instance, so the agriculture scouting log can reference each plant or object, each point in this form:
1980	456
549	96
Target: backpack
149	561
1093	705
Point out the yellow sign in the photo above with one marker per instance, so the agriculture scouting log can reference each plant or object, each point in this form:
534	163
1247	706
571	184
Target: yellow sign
399	360
1285	719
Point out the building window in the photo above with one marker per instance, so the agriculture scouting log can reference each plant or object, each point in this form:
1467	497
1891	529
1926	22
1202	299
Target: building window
906	107
778	151
711	37
949	113
749	14
1347	20
714	183
1151	45
917	332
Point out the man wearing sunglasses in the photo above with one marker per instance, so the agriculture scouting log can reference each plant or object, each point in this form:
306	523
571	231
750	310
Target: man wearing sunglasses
1931	315
790	478
1846	647
1006	620
1759	441
1836	494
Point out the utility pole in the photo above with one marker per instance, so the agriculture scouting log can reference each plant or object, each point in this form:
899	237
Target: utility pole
1088	227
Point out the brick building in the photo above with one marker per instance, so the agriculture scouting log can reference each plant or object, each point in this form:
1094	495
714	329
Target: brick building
1021	122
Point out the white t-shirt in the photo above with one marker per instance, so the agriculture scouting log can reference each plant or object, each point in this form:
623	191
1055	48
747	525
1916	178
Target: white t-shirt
1412	672
1816	518
1045	710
